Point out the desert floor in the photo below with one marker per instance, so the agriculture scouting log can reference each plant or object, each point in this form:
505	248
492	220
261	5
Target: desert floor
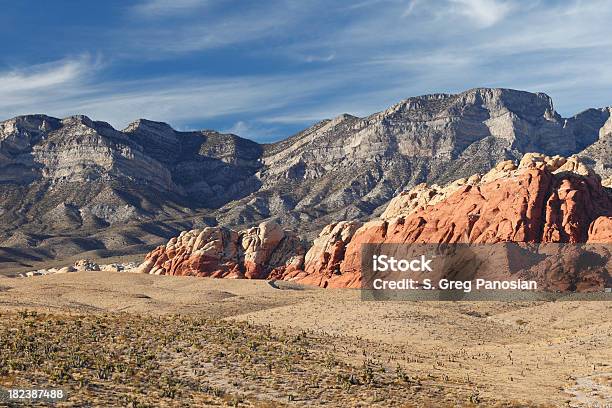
299	346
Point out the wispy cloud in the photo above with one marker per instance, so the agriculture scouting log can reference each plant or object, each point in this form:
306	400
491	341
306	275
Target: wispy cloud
203	37
203	29
411	5
22	89
239	128
320	58
259	131
165	8
66	88
44	76
485	13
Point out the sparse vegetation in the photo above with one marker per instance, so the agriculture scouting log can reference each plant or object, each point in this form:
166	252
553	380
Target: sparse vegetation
141	361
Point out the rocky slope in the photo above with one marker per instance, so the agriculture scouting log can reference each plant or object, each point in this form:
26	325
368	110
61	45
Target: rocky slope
75	185
599	153
542	200
349	167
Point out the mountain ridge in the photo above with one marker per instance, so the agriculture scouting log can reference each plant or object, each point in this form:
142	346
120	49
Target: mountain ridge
130	189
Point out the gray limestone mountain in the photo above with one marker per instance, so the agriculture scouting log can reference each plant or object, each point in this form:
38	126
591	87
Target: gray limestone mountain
74	185
599	154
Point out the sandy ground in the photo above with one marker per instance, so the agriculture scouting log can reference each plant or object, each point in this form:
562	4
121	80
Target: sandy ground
12	269
553	354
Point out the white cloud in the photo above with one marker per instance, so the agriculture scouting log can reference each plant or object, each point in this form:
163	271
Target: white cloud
22	90
411	6
484	12
204	37
205	27
178	100
320	58
239	128
43	76
259	131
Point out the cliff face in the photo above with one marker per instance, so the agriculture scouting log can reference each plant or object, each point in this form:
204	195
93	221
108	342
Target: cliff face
105	166
598	154
542	200
72	185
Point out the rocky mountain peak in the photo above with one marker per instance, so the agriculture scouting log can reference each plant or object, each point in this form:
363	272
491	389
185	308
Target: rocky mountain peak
606	129
342	117
78	119
23	131
494	100
149	126
229	147
76	123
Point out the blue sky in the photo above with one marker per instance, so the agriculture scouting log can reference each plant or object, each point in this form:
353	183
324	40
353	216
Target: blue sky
266	69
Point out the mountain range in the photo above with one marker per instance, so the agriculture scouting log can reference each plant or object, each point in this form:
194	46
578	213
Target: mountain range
77	186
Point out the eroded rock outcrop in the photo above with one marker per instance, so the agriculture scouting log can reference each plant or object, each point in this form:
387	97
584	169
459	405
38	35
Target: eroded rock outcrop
325	255
83	265
224	253
86	265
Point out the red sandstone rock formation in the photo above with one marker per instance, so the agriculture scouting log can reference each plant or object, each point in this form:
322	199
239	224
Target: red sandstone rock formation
543	200
325	256
600	231
223	253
